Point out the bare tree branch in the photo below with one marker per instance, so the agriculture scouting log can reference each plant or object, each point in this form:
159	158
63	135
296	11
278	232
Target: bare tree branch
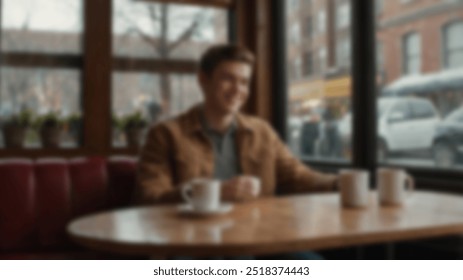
148	39
153	15
134	28
186	34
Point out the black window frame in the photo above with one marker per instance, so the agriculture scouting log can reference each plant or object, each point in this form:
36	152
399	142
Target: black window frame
364	138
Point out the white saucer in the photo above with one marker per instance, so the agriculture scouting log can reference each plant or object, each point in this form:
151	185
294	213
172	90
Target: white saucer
188	209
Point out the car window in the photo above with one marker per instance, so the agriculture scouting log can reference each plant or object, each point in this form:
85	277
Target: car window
383	106
422	109
403	108
456	116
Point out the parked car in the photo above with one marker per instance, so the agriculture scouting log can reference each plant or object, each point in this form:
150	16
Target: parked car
404	124
448	140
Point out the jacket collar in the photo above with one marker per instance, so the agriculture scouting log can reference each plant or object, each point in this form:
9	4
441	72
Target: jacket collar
193	124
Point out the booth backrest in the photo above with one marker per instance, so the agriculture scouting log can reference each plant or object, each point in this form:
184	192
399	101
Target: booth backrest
38	198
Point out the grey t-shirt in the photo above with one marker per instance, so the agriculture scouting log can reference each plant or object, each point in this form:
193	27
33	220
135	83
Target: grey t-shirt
226	160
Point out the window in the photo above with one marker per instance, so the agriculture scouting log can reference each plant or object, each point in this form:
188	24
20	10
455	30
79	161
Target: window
40	73
343	15
308	64
319	122
298	68
379	7
42	26
411	54
343	51
453	45
144	33
432	88
322	59
379	56
293	5
295	33
456	117
321	21
422	109
309	26
401	109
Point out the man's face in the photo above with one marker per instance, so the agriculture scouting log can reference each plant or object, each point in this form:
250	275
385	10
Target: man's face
226	89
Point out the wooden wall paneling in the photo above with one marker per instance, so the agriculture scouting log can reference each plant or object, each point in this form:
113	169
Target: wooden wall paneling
254	31
97	76
154	65
33	60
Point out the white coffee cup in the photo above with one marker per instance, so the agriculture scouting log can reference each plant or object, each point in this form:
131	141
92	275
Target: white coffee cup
393	185
203	194
354	187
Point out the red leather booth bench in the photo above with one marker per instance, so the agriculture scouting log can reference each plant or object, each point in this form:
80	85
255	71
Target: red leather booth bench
39	197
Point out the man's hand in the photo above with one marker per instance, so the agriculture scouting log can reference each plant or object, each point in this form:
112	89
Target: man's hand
240	188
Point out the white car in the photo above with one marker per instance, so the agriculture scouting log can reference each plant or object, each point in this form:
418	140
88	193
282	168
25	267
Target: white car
403	123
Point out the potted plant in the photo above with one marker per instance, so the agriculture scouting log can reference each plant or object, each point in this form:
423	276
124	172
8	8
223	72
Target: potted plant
50	128
15	128
133	126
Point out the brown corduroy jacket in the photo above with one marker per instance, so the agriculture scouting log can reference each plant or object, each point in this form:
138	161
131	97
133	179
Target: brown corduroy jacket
177	151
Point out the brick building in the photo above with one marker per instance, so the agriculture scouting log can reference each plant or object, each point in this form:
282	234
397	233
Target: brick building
419	42
420	50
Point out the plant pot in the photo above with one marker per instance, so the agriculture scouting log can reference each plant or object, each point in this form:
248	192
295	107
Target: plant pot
133	137
50	136
14	135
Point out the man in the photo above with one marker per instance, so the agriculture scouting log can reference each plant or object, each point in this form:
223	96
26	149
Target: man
215	140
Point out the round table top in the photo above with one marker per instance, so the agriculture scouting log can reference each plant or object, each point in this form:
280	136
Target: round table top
268	225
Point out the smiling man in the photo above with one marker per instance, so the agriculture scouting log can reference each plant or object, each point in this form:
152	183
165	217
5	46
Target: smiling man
215	140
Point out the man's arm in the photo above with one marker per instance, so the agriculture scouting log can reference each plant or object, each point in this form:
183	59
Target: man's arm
154	176
293	176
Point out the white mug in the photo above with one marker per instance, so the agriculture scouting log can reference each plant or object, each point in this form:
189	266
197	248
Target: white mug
202	194
354	187
393	185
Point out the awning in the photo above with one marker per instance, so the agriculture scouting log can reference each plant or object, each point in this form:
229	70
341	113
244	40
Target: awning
422	84
306	90
340	87
319	89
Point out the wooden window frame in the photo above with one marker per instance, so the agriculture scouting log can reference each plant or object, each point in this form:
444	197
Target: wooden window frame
96	65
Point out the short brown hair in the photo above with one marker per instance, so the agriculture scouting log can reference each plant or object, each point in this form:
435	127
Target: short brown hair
220	53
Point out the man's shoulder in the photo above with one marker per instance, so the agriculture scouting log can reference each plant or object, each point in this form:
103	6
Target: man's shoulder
176	124
256	124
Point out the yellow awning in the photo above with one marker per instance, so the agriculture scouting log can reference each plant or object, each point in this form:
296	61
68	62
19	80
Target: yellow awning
318	89
340	87
306	90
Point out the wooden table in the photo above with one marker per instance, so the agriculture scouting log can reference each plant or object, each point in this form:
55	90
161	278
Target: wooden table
270	225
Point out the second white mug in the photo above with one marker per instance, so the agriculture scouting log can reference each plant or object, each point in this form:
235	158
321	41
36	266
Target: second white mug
393	186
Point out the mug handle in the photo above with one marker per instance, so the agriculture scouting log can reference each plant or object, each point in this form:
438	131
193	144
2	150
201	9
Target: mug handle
409	183
185	190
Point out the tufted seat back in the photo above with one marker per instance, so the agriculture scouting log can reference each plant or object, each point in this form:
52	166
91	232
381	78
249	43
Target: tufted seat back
38	198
